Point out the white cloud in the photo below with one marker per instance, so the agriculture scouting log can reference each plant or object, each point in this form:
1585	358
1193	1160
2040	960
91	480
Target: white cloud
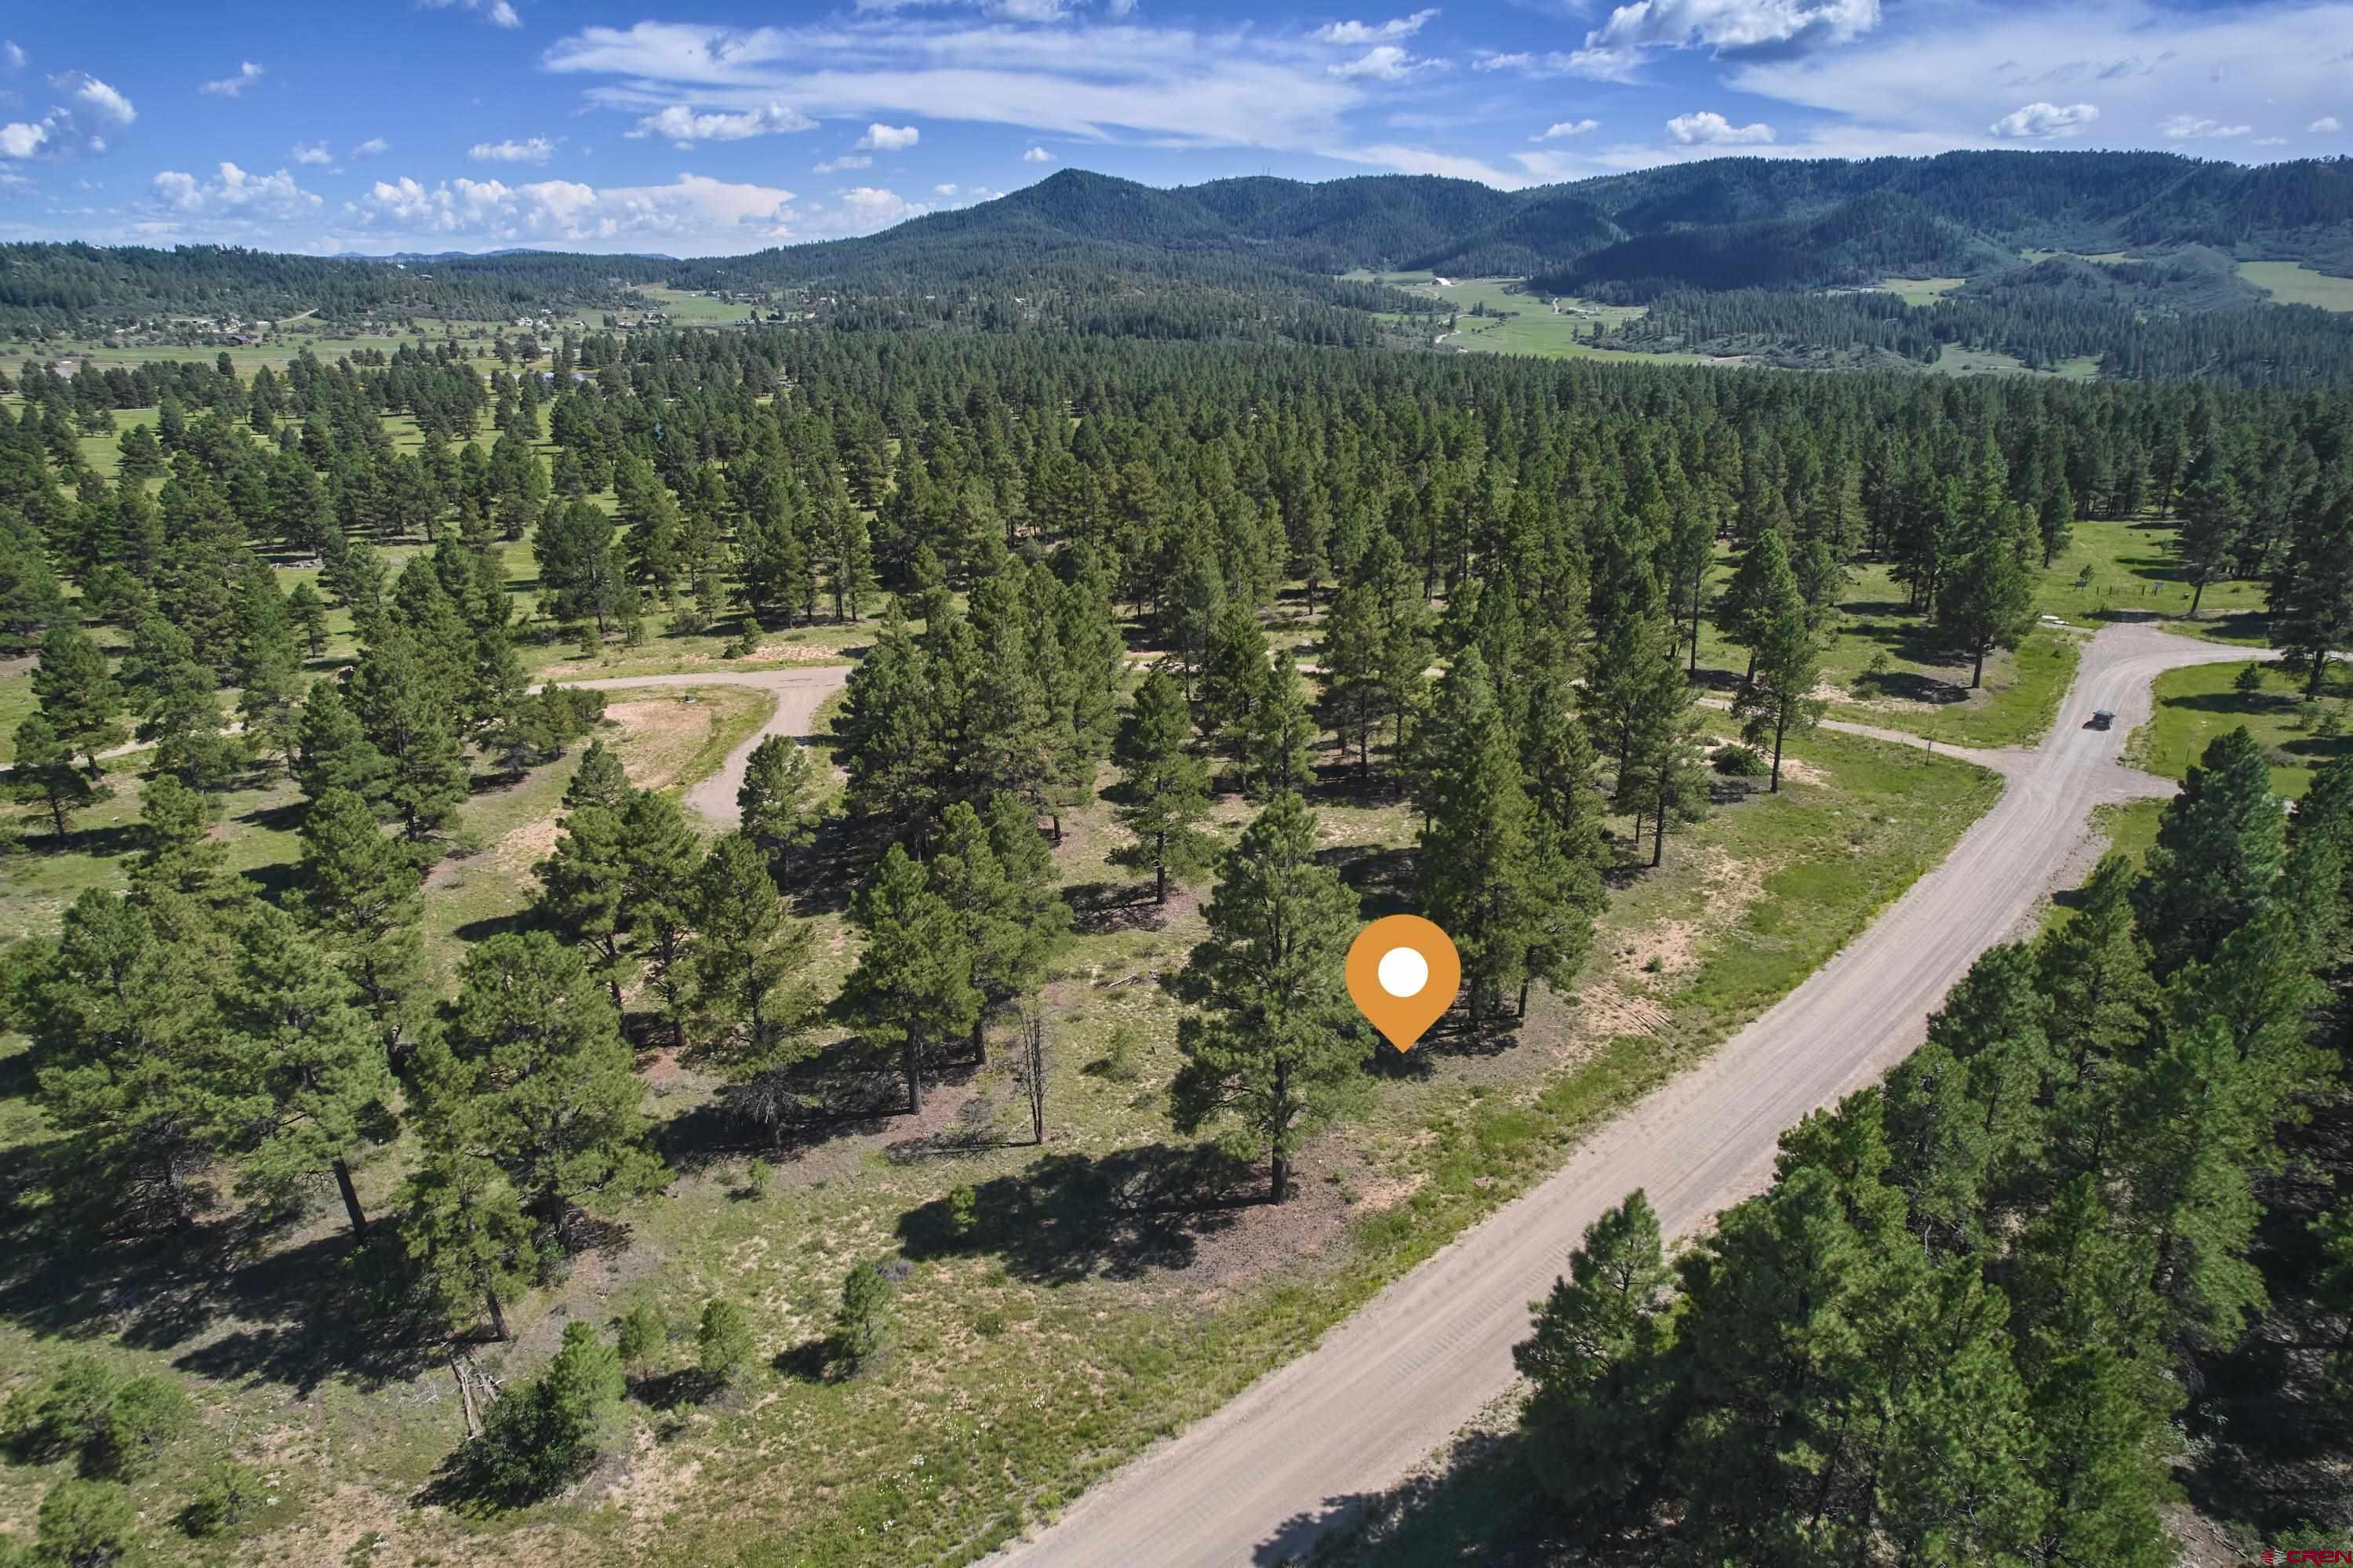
694	215
1959	66
2326	126
95	96
1709	129
1037	155
1554	133
1191	89
1503	62
313	152
1424	161
248	73
22	139
1374	32
1384	62
498	13
1728	27
2196	127
684	127
13	54
534	150
846	160
2041	120
947	190
2270	141
374	146
889	138
1600	64
233	191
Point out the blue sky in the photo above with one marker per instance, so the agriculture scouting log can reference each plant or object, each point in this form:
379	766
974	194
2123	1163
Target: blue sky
381	125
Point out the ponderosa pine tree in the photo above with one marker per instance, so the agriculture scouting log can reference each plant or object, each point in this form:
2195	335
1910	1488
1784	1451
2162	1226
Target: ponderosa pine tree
584	886
1761	589
659	854
773	801
1988	602
305	1089
600	780
360	895
78	698
1279	745
1272	1046
405	708
1164	791
1595	1416
463	1227
1480	878
44	775
912	986
749	997
528	1070
1784	666
1660	775
2312	591
2220	845
332	752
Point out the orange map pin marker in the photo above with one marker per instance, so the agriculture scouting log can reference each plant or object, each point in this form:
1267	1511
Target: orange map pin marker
1403	973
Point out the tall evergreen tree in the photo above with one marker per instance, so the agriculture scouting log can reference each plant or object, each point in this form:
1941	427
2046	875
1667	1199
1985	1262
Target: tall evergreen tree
1272	1045
1164	791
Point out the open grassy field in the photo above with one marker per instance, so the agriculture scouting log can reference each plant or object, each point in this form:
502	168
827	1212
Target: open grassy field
2198	705
2293	283
1921	290
1526	324
2129	569
687	307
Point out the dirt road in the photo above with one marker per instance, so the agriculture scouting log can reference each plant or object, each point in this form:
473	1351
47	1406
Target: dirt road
1261	1478
799	694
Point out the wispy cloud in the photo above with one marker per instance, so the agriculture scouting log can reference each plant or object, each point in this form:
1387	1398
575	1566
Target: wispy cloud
498	13
1037	155
374	147
312	152
889	138
1374	32
532	149
2198	128
246	75
684	127
1555	131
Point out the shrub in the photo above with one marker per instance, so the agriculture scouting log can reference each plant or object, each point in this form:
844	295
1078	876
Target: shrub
85	1524
548	1432
639	1337
146	1413
2249	680
862	1329
225	1499
964	1208
723	1341
1737	761
1124	1063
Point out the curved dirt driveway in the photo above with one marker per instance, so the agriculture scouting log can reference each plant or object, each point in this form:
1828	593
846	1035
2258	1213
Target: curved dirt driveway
800	693
1261	1478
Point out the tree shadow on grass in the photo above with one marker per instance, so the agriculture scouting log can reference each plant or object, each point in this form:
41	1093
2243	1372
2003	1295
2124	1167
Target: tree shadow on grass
1072	1217
1100	909
1382	879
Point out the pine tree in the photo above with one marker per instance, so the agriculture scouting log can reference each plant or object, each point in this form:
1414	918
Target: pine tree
528	1070
1480	879
78	698
659	854
2312	591
462	1226
172	694
305	1088
1273	1045
360	894
332	752
1660	776
1280	746
1762	587
584	886
2220	845
748	994
44	775
1988	602
774	800
1595	1416
912	986
406	710
600	780
1164	793
1786	665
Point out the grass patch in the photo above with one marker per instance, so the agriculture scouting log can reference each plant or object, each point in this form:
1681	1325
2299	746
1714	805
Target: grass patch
2293	283
2129	569
2200	703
